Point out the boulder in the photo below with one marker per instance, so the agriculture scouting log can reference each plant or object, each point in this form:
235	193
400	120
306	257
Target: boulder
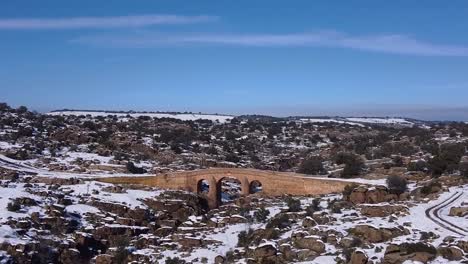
382	210
378	194
349	242
235	219
219	259
377	235
371	195
358	257
109	232
422	252
463	245
306	255
451	253
309	222
190	242
104	259
322	218
459	211
287	252
358	195
70	256
302	240
8	175
264	251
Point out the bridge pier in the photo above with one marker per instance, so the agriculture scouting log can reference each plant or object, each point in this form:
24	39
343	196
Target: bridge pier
245	186
213	193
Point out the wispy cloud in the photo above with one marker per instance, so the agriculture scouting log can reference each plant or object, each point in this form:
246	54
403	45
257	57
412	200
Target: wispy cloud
100	22
384	43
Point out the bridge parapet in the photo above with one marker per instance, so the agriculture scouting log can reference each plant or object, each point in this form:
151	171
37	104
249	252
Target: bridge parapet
273	183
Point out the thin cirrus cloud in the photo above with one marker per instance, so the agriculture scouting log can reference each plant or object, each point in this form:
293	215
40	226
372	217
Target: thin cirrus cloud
383	43
100	22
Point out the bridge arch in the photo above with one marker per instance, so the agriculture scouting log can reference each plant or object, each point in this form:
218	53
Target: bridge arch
228	188
203	186
255	186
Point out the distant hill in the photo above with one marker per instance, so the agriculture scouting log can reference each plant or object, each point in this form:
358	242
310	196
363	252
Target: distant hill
176	115
222	118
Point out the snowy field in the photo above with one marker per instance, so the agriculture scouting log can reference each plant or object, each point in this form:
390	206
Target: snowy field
376	120
184	117
330	120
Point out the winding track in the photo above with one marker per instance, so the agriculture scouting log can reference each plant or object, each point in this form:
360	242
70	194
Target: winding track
433	214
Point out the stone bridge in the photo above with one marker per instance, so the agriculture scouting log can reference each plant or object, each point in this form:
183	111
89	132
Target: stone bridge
273	183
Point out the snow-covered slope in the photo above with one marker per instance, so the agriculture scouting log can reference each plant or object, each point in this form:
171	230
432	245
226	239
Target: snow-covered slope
379	120
184	117
329	120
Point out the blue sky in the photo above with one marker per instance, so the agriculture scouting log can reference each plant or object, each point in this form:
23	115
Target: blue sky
306	57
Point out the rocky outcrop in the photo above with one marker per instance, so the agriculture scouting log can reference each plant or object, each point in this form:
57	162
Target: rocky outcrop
264	253
463	244
451	253
309	222
377	235
104	259
422	252
461	211
358	257
383	210
303	240
371	195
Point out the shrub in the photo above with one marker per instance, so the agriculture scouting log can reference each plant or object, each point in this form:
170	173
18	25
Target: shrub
419	165
464	169
437	166
271	233
314	207
312	165
348	189
448	159
261	214
122	253
13	206
245	238
353	164
22	109
351	170
427	189
397	161
230	256
344	158
397	184
174	260
231	157
4	107
280	221
294	205
134	169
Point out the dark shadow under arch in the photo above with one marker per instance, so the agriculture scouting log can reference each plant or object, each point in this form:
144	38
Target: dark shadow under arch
203	187
255	187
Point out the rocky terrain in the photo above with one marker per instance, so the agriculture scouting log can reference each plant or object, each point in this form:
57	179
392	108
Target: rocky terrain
56	210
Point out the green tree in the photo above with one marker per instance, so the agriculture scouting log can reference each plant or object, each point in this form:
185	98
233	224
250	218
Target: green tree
397	184
312	165
261	214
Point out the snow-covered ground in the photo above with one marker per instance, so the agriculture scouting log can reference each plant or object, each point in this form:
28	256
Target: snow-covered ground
377	120
419	220
184	117
132	198
330	120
